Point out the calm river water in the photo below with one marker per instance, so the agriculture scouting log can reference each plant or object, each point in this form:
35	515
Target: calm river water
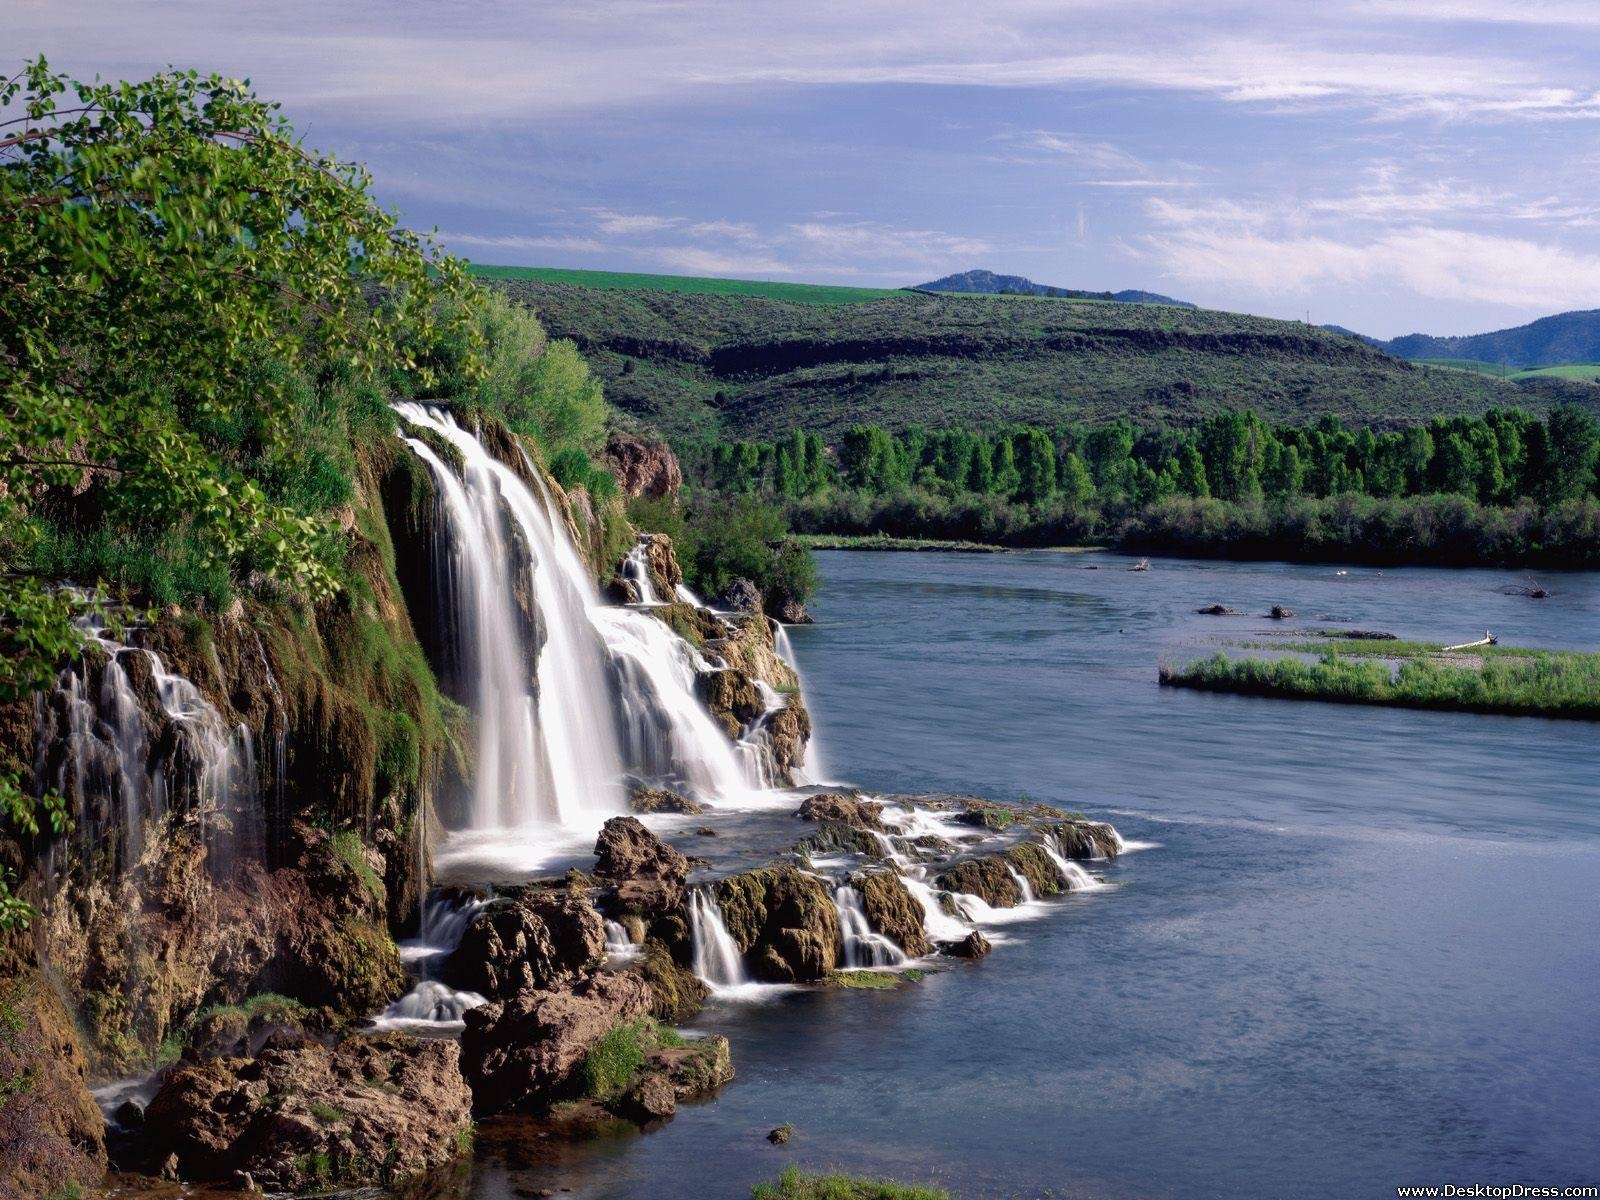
1364	951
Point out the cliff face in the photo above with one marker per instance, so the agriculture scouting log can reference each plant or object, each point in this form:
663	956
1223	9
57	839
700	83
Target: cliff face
250	792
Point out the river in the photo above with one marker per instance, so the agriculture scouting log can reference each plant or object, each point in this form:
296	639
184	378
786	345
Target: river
1363	950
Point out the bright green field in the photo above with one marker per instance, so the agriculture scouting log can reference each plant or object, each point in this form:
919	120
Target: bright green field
800	293
1584	371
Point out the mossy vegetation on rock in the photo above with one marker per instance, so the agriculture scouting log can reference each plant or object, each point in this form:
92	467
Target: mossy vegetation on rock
676	993
52	1138
892	910
783	921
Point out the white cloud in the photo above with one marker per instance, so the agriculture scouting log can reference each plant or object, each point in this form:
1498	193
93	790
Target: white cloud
516	241
1257	248
618	224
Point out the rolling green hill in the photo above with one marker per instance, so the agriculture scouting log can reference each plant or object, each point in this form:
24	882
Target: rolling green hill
702	362
799	293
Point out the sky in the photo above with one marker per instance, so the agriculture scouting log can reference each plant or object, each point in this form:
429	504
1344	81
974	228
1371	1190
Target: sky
1388	165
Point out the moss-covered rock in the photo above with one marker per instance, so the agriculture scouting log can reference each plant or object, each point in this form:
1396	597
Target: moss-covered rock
52	1137
892	910
843	808
987	877
659	800
732	697
1033	864
783	921
676	993
383	1109
1083	839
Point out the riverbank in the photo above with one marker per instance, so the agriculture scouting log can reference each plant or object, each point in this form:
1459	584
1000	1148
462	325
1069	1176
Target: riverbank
882	541
1498	680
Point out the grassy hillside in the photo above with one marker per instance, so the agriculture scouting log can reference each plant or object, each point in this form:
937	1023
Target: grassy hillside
705	364
798	293
1583	372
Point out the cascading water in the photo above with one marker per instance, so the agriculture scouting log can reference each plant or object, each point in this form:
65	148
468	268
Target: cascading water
717	960
618	943
864	946
556	762
431	1006
636	570
813	772
1023	886
611	688
94	747
1076	878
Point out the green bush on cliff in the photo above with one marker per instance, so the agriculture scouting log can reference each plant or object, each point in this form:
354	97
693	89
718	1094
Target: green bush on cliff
612	1063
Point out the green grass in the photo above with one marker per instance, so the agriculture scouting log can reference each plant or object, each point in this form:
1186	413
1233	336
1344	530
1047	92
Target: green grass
326	1113
880	541
1505	681
1587	372
713	362
346	844
795	1184
799	293
612	1063
1472	365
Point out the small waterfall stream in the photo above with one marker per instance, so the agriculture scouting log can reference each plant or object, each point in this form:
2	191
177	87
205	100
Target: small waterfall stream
717	960
94	747
636	570
431	1006
864	946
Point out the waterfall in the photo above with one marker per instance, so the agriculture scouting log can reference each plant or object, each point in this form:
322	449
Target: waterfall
1075	877
636	569
618	943
1021	880
716	955
864	946
813	772
94	747
430	1005
609	688
557	762
683	593
939	925
666	730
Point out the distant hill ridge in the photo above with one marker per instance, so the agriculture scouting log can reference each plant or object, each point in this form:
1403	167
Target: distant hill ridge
1569	337
718	362
987	283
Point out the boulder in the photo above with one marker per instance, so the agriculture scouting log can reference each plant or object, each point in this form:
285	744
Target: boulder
842	808
674	1073
988	878
892	910
787	608
648	875
660	800
1083	839
528	1051
676	993
788	731
665	573
641	466
1030	861
784	922
538	939
733	698
1280	613
382	1110
740	595
974	945
1218	610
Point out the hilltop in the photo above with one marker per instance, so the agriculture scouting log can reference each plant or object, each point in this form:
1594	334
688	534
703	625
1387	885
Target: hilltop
987	283
1569	338
706	362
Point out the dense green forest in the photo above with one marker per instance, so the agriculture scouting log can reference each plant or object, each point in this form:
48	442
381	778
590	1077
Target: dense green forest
1506	486
696	365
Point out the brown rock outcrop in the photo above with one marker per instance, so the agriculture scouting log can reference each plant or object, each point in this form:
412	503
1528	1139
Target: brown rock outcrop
784	922
987	878
842	808
51	1134
892	910
372	1109
528	1051
537	939
648	875
642	467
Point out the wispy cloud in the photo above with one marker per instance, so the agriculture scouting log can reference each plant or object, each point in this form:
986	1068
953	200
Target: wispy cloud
1258	249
